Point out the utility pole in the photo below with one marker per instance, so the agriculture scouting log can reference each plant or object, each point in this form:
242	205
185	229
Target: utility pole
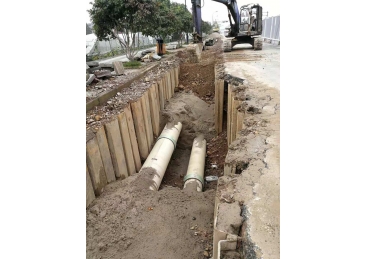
187	35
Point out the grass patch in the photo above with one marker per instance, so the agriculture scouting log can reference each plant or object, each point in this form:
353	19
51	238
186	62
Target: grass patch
132	64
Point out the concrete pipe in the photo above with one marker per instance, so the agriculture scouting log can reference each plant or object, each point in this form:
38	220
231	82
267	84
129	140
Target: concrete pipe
195	171
161	153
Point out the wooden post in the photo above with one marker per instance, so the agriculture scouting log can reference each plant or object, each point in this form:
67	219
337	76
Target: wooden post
125	137
229	114
169	85
221	98
165	86
173	80
154	110
161	93
216	105
95	166
105	155
235	104
89	190
147	119
139	124
116	149
176	74
133	140
240	120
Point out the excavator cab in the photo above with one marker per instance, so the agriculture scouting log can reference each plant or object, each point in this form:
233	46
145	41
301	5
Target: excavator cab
251	20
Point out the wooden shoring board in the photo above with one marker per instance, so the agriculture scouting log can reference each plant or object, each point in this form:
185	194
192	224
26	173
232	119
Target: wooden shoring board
133	139
125	137
140	131
147	119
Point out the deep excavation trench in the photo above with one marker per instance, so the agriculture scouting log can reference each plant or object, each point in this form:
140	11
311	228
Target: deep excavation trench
193	106
127	221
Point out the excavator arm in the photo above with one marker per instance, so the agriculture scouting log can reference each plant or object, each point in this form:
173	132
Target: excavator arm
233	10
196	14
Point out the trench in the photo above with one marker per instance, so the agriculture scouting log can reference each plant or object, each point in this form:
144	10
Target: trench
193	105
122	219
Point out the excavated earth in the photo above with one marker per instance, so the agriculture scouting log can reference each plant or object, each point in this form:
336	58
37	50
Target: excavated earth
128	221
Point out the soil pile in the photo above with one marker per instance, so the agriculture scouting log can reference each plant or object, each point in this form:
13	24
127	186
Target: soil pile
129	223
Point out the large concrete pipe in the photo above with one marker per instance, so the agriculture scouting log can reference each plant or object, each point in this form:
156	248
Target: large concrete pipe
195	171
161	153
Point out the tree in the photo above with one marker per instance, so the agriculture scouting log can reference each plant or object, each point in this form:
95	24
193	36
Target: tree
206	27
183	20
162	22
111	17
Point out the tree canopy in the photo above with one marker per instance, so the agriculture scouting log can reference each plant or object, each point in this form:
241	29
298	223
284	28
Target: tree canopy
111	16
156	18
206	27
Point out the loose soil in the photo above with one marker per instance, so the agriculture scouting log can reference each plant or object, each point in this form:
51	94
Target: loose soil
125	222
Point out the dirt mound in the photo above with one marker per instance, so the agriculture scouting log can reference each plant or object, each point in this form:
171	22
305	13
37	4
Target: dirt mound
196	116
127	223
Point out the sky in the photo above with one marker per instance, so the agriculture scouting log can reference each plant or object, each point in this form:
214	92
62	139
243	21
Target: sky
217	11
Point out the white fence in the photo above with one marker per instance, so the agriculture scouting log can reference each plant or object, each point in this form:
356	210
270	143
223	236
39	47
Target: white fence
271	28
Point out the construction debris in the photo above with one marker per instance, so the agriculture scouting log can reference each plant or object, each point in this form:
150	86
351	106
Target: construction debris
119	68
91	78
93	64
106	65
156	57
103	73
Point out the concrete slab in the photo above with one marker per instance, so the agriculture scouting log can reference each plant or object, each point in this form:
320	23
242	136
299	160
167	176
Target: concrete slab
95	166
156	57
118	66
116	149
91	78
93	69
105	155
102	74
106	65
90	192
92	64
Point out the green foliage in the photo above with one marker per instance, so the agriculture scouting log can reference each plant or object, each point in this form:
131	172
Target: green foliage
162	22
156	18
111	17
132	64
206	27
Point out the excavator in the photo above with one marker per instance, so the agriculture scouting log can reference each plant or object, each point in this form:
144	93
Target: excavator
246	26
